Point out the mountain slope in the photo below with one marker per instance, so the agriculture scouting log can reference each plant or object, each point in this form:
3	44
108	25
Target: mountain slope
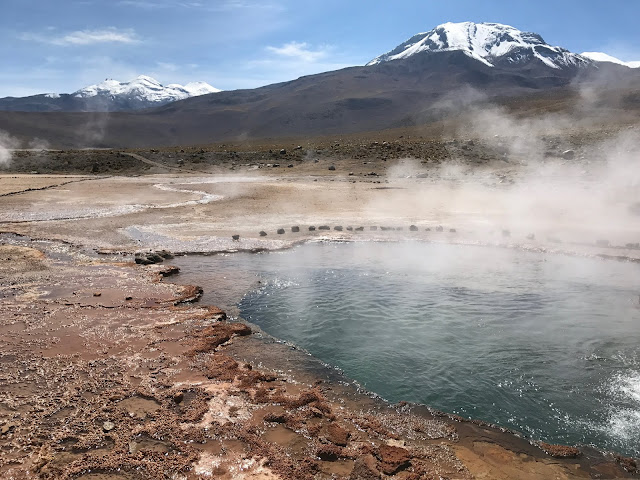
110	95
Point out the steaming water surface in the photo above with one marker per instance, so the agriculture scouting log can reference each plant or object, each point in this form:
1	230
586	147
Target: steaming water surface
545	344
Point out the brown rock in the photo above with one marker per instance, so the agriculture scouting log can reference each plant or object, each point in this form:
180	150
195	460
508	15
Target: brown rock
559	451
365	468
393	459
329	453
629	464
240	329
337	435
275	417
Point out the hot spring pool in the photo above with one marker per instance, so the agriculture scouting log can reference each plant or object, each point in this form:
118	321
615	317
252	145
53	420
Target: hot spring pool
545	344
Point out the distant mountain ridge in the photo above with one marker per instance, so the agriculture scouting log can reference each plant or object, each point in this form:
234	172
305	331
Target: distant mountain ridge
110	95
146	89
433	75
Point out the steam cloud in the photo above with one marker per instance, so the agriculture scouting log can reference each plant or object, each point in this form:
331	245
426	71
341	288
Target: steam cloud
7	143
566	176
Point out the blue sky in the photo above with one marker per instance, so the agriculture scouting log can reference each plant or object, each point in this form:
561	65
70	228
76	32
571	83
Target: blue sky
63	45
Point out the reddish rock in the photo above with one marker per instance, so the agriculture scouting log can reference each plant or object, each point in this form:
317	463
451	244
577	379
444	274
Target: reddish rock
337	435
329	453
240	329
629	464
365	468
275	417
393	459
559	451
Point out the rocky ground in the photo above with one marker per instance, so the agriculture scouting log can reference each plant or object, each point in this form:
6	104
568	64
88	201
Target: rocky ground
108	371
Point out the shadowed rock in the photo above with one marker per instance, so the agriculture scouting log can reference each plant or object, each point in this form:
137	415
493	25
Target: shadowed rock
350	228
280	231
235	237
374	228
263	233
295	229
359	229
452	230
149	258
338	228
324	227
413	228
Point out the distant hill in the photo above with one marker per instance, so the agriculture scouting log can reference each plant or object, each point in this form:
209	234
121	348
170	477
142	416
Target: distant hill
428	77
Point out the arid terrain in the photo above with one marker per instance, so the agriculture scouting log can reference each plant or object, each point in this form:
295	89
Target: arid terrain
110	371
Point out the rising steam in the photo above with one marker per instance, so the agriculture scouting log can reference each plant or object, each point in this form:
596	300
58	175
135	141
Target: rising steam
7	143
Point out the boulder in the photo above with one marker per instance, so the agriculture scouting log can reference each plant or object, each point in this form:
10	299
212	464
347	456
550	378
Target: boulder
393	459
413	228
280	231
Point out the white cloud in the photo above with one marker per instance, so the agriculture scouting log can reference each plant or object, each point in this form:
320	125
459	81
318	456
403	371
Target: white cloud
300	51
85	37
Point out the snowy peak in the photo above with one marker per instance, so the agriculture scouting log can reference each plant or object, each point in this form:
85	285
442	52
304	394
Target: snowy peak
145	89
490	43
603	57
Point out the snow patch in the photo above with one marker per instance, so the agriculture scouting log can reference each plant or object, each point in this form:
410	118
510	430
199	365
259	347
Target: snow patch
603	57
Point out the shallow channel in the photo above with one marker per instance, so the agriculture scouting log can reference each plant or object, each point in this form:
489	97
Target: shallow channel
548	345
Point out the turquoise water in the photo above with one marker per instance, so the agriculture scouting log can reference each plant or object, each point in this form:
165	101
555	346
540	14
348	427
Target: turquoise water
548	345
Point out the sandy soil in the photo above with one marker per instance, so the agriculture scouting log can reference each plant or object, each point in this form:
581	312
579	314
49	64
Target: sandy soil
108	372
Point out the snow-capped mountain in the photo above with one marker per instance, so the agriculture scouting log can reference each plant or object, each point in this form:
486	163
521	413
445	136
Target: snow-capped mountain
145	89
109	96
493	44
603	57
